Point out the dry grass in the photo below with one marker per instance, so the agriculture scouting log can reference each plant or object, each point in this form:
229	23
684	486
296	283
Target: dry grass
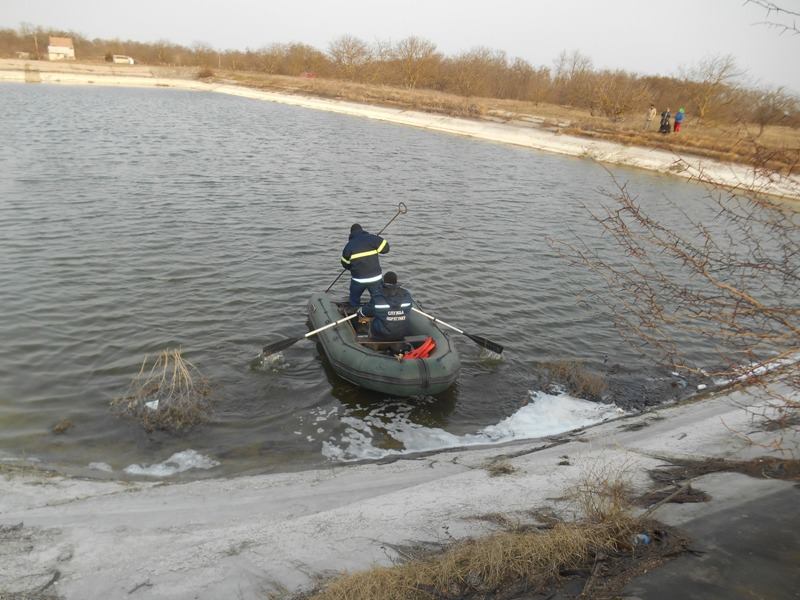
168	393
520	559
500	467
486	565
574	377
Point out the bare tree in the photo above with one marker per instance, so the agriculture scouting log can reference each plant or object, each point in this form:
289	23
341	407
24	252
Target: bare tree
614	94
349	55
417	57
712	78
204	54
28	29
527	83
572	76
569	65
771	107
475	73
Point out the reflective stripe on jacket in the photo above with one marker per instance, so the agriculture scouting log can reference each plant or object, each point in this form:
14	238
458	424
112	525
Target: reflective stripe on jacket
391	308
360	256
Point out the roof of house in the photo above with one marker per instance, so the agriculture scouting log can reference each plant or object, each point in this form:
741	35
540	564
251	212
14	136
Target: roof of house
61	41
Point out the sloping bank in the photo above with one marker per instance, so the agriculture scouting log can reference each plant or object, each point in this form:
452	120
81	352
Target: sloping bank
730	175
251	536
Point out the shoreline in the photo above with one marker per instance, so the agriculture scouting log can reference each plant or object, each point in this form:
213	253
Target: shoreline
250	536
728	175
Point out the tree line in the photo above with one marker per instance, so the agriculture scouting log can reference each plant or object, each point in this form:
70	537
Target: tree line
710	90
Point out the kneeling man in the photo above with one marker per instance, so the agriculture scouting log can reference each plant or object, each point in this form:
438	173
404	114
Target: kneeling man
390	307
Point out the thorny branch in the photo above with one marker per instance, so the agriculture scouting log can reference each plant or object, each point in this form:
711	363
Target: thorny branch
773	10
732	280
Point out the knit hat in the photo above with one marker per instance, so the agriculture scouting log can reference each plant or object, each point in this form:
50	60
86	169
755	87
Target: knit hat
354	228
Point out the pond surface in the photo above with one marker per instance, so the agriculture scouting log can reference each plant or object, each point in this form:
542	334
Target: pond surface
137	220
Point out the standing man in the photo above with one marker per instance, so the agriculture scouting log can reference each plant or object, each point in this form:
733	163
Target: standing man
360	257
651	115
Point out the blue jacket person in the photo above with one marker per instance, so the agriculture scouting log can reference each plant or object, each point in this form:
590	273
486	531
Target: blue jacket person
391	306
360	257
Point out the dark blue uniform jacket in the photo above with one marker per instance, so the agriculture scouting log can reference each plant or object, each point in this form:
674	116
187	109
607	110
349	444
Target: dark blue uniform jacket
360	256
391	308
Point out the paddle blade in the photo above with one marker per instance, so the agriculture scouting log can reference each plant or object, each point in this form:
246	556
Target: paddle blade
278	346
483	342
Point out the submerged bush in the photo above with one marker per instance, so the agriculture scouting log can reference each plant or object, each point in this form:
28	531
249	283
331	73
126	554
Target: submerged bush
574	377
168	393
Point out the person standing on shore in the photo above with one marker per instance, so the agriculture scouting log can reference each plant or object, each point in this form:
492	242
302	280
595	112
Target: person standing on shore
665	116
651	115
679	119
360	257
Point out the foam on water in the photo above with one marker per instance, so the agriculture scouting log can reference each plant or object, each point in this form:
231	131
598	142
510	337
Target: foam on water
270	362
544	415
177	463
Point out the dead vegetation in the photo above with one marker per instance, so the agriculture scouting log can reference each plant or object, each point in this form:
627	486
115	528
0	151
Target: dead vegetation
681	495
168	393
673	479
599	550
500	467
62	426
572	376
679	470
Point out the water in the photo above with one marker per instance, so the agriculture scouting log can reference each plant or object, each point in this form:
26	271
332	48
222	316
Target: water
135	220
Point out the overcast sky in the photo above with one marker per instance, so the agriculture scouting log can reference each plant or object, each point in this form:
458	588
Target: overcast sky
636	35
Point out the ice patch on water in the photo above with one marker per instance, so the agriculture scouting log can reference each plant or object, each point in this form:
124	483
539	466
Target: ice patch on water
177	463
544	415
101	466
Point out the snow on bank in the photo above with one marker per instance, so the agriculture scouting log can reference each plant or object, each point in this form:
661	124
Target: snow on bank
545	415
177	463
758	369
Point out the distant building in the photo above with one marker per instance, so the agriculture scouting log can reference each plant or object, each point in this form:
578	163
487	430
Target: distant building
121	59
60	48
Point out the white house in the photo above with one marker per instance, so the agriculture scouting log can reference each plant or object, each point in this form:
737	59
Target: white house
60	48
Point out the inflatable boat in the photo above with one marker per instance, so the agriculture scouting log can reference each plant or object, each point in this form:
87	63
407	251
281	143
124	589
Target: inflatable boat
425	362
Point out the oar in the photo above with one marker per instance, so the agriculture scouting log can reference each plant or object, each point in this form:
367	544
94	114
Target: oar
401	210
283	344
481	341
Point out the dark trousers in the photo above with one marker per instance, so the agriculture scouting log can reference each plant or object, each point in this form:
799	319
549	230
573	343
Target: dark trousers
356	289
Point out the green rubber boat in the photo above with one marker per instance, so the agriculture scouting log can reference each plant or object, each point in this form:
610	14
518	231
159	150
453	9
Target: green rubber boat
376	365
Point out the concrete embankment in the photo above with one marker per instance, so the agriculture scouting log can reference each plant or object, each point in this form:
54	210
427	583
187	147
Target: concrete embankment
245	537
730	175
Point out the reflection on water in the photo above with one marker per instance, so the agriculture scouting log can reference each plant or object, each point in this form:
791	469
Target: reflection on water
134	220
